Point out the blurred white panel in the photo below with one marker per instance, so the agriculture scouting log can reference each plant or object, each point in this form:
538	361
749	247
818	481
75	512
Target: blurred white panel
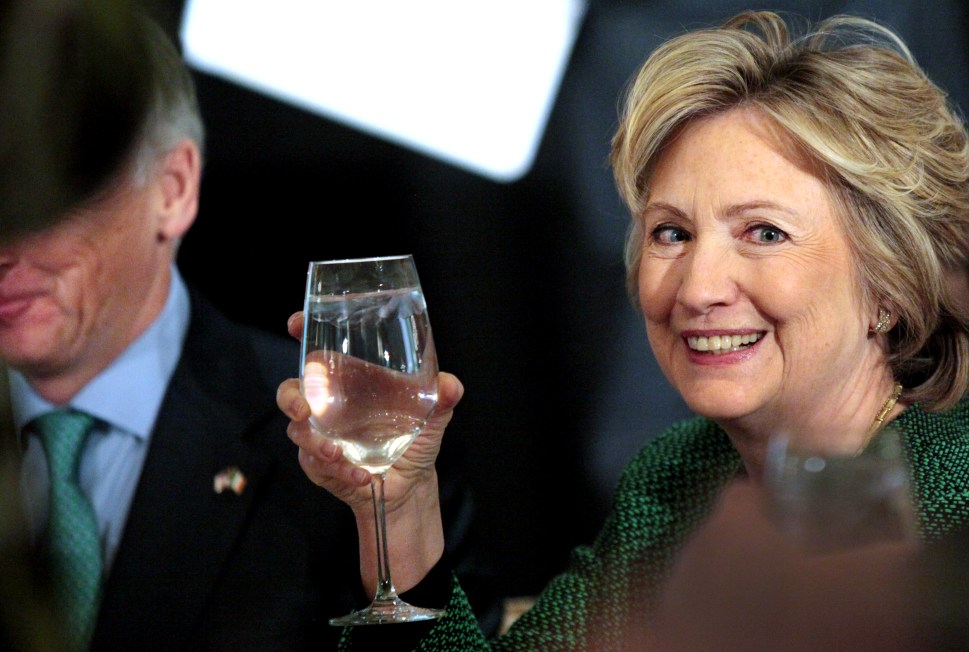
471	83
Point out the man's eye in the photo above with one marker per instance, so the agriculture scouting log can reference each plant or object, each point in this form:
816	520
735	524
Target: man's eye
668	234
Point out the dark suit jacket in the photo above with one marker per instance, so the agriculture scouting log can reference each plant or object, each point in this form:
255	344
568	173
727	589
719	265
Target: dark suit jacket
262	570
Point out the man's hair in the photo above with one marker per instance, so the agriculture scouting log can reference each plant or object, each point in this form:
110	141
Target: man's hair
89	90
892	153
172	111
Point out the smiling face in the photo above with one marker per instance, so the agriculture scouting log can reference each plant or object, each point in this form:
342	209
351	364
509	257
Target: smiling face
748	287
73	296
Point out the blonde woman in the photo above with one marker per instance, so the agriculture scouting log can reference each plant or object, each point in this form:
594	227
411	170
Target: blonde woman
795	205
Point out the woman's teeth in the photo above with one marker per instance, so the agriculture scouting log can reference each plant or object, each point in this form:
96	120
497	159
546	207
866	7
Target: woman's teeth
722	343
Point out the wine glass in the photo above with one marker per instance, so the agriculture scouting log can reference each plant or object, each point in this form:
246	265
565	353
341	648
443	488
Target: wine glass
368	371
826	503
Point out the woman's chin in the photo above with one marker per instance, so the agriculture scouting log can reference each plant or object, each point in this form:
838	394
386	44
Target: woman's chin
719	409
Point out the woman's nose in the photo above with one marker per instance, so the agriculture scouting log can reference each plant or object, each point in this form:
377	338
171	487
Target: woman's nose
709	277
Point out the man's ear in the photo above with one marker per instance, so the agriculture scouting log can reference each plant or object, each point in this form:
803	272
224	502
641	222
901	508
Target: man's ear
179	178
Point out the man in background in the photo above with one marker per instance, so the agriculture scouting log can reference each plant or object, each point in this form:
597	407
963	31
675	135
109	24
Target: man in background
179	518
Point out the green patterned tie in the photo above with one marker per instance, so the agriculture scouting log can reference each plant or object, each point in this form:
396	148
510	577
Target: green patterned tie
72	529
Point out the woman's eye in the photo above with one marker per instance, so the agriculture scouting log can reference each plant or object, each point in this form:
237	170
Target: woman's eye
764	234
669	234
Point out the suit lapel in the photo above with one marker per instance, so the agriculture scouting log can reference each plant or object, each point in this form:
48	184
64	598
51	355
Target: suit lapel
180	531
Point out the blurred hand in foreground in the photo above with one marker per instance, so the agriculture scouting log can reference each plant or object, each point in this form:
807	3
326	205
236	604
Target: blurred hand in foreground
739	584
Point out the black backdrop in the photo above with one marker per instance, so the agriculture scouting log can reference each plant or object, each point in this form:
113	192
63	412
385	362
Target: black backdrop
524	281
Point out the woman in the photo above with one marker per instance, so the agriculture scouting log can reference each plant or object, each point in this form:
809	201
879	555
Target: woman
792	223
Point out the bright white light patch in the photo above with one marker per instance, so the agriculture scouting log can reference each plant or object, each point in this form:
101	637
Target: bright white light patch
471	83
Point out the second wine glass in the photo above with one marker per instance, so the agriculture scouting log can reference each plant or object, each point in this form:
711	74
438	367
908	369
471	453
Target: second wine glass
368	371
826	503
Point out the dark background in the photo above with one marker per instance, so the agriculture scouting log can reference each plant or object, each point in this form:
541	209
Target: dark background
524	281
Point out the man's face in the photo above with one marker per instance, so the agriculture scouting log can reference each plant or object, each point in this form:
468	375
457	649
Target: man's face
72	297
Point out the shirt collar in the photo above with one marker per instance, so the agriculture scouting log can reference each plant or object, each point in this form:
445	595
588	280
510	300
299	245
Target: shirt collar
129	392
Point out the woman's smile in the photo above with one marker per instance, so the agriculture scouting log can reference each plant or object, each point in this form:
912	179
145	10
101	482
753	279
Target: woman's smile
749	285
720	344
721	347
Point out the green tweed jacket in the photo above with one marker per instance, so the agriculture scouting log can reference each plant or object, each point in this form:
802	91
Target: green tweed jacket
665	493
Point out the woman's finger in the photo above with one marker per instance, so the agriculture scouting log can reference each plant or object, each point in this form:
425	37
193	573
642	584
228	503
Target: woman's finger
289	399
295	325
449	391
339	473
301	434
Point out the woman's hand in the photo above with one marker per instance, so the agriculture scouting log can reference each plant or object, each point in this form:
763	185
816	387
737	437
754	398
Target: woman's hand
414	530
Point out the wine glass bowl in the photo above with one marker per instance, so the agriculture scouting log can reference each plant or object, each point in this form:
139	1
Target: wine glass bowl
826	503
368	371
373	413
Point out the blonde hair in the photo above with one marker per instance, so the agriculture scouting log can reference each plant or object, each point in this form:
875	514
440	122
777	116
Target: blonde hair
893	153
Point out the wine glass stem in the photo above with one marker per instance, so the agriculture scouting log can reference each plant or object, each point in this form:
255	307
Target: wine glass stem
385	585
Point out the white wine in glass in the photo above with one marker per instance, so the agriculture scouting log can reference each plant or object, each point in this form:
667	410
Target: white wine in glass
368	371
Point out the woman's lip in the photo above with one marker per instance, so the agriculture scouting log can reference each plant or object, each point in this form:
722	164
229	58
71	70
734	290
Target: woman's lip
727	358
711	332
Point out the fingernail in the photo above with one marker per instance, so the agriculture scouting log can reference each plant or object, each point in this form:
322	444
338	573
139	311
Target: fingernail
299	409
359	476
328	449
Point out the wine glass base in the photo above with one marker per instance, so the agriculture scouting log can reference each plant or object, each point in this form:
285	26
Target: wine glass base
387	612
